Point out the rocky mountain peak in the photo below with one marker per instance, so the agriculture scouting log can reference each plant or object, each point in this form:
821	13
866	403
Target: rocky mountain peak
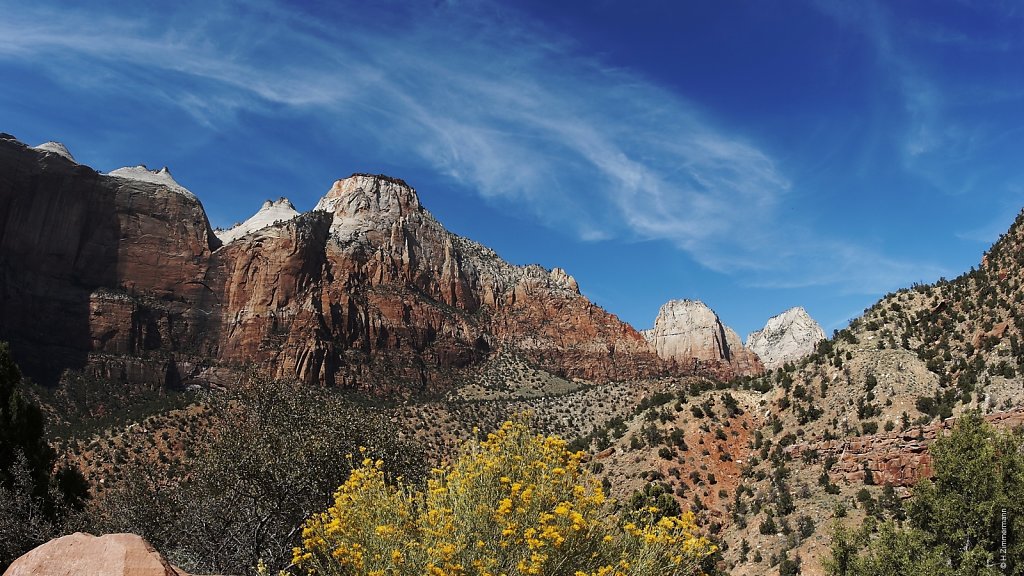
688	331
56	148
687	328
272	212
367	204
368	194
562	278
281	202
162	177
786	337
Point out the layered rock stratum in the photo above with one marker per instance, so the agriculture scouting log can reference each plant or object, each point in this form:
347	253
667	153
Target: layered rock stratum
787	337
121	276
689	333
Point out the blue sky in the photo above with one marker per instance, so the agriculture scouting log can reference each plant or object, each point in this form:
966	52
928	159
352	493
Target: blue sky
754	155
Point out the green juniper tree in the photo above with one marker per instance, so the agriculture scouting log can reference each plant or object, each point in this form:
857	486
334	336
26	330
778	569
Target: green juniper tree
968	520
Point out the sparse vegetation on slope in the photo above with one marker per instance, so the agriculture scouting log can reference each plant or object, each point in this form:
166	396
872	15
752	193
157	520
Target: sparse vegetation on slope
266	457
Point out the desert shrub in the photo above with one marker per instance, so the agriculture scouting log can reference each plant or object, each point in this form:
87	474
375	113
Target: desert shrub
789	566
654	498
272	456
513	503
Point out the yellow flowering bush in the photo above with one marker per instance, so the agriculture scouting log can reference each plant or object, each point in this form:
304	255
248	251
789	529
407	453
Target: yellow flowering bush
513	504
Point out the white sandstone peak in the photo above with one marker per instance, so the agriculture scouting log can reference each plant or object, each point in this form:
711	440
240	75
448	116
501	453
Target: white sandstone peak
55	148
786	337
369	193
365	202
161	176
269	214
688	330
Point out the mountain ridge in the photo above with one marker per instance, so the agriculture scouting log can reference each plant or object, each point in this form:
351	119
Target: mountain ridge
367	290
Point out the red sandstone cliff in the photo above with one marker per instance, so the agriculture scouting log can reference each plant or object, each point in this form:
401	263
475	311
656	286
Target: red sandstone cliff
123	276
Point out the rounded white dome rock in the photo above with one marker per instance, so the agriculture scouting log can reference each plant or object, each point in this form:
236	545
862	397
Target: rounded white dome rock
161	176
56	148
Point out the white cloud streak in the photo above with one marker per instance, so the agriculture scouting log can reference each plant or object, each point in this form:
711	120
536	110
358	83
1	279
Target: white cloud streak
481	96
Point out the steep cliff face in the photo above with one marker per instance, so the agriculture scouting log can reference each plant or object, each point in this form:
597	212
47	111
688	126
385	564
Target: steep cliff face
371	287
121	274
93	264
787	337
690	333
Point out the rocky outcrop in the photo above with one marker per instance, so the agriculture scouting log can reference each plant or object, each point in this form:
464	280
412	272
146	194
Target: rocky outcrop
690	333
897	458
122	276
85	554
269	214
994	335
787	337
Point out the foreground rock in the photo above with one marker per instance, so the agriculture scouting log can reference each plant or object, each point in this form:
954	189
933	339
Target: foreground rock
690	333
121	276
82	554
787	337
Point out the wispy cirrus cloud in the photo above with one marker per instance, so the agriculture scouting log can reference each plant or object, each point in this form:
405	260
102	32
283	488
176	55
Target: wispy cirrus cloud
498	104
945	128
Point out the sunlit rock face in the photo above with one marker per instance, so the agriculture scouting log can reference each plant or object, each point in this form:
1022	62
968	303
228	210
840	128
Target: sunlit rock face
121	275
787	337
689	332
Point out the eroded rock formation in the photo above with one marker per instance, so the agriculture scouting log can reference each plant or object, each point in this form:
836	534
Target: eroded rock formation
786	337
122	275
897	458
690	333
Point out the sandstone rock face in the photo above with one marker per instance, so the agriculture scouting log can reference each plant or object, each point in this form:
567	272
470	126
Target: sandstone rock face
120	275
371	286
84	554
92	264
897	458
269	214
787	337
743	360
689	332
